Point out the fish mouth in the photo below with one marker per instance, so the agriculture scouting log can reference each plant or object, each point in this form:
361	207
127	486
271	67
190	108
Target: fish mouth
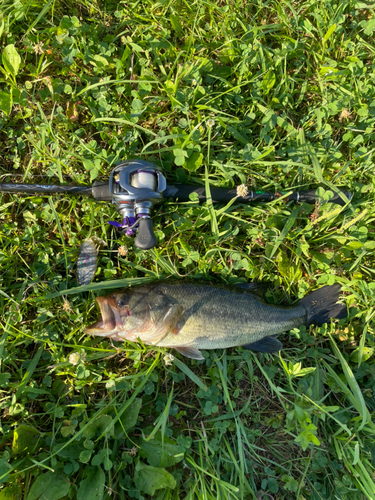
111	322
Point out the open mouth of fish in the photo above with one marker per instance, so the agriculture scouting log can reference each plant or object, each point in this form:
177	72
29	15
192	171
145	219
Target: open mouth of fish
110	322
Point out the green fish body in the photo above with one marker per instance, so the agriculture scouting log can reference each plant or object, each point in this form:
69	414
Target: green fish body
189	315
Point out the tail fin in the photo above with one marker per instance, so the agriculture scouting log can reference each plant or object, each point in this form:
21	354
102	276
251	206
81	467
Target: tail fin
322	305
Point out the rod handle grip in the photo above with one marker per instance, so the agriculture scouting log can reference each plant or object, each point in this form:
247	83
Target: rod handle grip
100	191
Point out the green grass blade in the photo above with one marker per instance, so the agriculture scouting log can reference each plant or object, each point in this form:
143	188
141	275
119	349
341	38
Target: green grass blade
189	373
104	285
288	226
121	121
30	370
162	420
210	206
355	394
50	200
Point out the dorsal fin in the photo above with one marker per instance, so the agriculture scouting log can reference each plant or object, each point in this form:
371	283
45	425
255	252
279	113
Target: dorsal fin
258	288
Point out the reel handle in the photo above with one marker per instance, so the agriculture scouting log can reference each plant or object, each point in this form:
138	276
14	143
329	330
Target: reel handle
145	238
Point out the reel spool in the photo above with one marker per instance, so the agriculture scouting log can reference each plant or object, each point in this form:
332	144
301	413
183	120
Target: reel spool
144	179
135	186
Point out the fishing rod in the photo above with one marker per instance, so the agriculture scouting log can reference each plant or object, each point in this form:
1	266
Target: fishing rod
134	186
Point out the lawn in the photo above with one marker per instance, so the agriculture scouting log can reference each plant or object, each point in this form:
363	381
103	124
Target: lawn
278	96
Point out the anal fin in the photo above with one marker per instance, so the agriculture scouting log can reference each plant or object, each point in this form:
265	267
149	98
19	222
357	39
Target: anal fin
267	344
190	352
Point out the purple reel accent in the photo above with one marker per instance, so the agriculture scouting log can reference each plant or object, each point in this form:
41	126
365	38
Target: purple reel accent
127	222
114	223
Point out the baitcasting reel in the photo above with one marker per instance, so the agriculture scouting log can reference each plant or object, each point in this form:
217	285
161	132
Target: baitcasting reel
135	186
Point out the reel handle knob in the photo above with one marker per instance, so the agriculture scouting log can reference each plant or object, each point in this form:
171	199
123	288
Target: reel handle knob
145	238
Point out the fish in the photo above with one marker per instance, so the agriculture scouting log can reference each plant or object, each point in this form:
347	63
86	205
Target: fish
192	315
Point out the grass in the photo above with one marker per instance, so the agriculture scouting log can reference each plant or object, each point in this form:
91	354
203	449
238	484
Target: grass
274	95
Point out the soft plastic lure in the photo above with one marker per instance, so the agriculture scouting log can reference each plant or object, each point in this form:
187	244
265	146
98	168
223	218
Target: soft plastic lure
87	261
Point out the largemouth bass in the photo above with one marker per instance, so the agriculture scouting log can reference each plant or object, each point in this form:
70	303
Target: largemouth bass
189	315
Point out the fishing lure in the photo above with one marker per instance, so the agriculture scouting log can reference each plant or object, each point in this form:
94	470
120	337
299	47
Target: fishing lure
87	261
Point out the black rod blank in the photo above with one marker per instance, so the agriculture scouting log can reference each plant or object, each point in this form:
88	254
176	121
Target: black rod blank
181	192
45	188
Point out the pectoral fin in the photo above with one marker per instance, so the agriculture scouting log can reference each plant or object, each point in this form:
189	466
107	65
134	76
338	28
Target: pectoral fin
172	316
165	323
267	344
190	352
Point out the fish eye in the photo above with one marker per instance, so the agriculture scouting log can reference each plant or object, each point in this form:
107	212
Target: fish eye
121	302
